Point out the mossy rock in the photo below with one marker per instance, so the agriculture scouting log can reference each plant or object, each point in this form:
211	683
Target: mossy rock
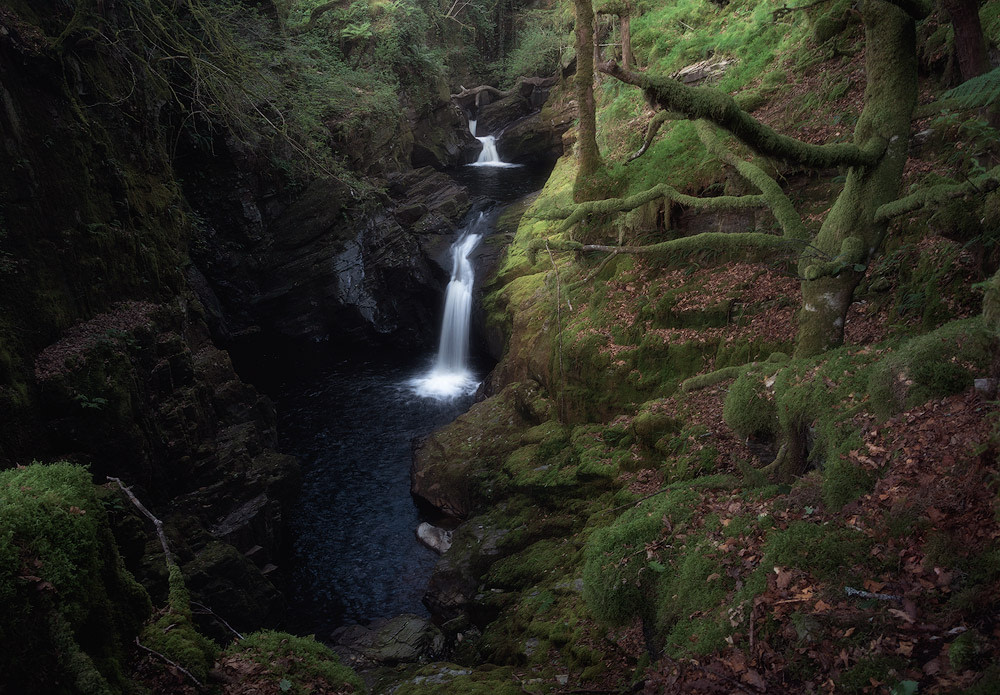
649	426
289	664
749	407
69	609
619	581
938	364
451	679
540	561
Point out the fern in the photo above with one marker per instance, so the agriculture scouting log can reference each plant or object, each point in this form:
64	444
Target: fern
977	92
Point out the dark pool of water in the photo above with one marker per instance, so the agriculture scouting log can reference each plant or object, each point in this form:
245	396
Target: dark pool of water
356	555
502	184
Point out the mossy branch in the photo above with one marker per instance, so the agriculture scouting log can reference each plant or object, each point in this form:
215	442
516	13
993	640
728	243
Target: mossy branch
852	252
659	119
703	381
577	213
784	212
689	244
937	194
720	108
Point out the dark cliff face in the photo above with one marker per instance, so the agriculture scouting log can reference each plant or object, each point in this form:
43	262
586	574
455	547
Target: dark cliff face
128	257
105	358
320	262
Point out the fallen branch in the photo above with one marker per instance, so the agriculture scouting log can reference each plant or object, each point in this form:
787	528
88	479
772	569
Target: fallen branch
851	591
205	610
149	515
169	661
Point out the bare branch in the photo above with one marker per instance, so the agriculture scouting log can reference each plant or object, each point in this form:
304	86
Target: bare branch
149	515
785	9
169	661
720	108
205	610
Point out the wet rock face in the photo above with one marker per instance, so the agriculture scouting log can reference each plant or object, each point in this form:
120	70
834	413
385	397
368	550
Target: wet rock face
325	265
537	138
442	139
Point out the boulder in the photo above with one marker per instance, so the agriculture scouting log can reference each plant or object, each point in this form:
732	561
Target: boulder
537	137
454	584
453	468
494	117
435	538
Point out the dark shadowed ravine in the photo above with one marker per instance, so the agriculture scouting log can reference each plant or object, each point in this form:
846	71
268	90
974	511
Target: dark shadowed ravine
351	424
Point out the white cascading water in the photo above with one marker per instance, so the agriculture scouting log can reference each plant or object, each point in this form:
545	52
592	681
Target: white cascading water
450	376
489	157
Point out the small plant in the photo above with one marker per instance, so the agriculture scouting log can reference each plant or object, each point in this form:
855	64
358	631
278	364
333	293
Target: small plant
88	403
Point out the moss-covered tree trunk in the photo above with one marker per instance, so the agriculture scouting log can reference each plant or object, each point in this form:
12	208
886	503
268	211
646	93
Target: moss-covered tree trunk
587	152
851	233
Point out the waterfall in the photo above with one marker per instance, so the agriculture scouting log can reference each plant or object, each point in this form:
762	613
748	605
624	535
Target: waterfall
450	376
489	157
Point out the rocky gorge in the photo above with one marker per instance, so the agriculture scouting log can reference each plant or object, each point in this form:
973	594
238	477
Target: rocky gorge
226	230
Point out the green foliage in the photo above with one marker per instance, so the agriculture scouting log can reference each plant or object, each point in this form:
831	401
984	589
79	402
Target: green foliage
297	665
539	45
68	608
977	92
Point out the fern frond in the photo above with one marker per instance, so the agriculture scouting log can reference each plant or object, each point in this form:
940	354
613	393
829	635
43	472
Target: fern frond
977	92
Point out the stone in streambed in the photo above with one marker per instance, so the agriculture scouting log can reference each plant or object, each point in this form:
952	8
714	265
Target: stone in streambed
435	538
406	638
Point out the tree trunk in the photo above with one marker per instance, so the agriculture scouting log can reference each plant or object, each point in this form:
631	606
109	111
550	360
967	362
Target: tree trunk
890	97
588	155
970	45
627	61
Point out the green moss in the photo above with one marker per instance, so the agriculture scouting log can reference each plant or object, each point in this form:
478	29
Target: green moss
174	634
544	560
817	548
619	579
934	365
749	407
859	677
61	569
301	663
450	679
